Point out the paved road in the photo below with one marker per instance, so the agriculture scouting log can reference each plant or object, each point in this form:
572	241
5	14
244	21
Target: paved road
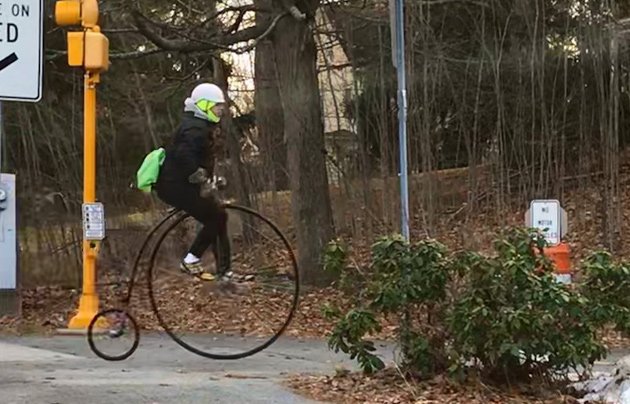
63	370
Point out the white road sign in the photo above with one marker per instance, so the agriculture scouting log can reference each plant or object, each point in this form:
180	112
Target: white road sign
93	221
546	215
21	50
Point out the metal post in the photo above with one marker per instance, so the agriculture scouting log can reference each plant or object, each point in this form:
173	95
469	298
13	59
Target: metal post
88	304
399	25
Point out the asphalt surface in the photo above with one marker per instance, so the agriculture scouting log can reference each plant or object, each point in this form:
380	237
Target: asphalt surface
63	370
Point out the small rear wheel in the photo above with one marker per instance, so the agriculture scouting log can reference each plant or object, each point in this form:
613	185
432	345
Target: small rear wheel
113	334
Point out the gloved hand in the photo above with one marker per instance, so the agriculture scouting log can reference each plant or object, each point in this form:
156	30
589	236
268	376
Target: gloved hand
220	183
207	189
198	177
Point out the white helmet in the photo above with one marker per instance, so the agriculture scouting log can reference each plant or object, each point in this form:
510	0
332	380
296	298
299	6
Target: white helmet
209	92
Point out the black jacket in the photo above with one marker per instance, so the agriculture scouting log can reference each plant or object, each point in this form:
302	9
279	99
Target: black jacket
192	147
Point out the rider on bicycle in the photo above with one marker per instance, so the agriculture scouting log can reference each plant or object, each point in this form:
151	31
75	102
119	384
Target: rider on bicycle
185	179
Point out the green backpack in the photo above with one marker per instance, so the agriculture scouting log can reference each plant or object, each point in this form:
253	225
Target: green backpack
149	171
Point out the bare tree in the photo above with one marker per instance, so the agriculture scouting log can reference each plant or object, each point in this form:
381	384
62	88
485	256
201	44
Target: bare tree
269	117
296	58
295	67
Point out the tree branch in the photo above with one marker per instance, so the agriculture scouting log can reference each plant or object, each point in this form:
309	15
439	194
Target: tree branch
240	9
54	54
134	54
191	74
238	22
189	7
269	30
340	66
219	41
293	10
119	30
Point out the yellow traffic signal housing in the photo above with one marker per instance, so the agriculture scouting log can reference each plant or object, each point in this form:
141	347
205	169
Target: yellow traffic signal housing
76	12
89	13
75	49
89	50
96	51
68	12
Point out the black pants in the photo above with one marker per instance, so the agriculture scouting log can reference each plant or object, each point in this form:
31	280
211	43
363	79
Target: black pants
207	211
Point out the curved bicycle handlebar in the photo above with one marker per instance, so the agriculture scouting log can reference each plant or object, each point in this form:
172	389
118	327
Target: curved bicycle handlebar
218	183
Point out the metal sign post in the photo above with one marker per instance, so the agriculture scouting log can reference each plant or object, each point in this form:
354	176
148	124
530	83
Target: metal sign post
397	14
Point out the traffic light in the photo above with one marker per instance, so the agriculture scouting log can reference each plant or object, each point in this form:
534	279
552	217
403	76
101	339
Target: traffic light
68	12
88	48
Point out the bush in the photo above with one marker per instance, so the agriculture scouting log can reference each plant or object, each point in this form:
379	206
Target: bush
607	286
504	315
401	277
336	262
349	333
514	320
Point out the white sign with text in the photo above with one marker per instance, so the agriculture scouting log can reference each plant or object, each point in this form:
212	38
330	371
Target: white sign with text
93	221
546	215
21	50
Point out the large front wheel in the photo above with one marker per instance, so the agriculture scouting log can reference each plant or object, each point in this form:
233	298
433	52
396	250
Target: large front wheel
226	320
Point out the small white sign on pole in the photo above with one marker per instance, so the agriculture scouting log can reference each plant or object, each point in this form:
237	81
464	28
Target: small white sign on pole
21	50
93	221
548	216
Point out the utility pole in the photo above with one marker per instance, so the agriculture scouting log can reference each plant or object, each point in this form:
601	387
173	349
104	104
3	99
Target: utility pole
397	17
89	49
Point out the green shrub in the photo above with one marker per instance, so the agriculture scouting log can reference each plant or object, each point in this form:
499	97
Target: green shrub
401	276
348	336
336	262
607	286
504	315
514	320
335	257
404	274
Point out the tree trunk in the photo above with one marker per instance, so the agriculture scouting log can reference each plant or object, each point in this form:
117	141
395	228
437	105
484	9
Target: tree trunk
296	57
231	136
269	119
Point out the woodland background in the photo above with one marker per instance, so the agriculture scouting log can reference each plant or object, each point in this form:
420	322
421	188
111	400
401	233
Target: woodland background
509	100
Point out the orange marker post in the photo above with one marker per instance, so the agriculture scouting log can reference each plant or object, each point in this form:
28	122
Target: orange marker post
560	255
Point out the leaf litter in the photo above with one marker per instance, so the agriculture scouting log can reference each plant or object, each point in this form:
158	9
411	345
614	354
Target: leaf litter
46	308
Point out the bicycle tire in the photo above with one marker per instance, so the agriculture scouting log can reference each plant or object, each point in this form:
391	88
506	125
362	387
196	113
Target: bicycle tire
113	358
145	244
250	352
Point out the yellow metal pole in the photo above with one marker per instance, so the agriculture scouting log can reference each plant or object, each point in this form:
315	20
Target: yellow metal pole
88	305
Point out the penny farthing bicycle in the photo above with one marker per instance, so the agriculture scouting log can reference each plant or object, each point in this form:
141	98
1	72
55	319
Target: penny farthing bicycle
218	319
